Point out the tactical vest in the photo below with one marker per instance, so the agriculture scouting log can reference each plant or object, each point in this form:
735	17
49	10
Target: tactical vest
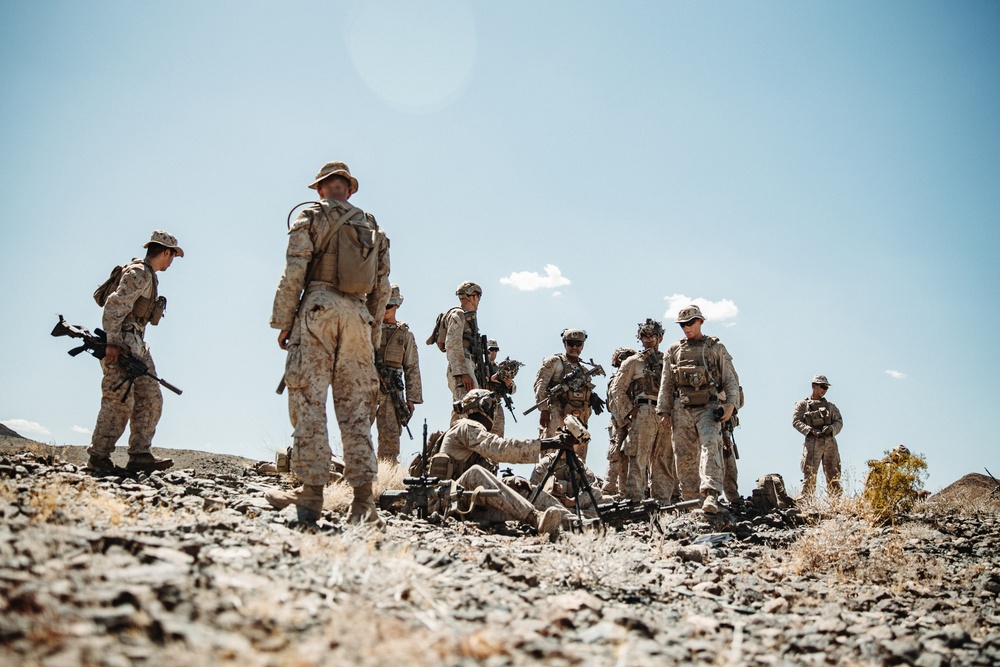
577	397
647	384
148	310
694	372
818	413
348	260
393	340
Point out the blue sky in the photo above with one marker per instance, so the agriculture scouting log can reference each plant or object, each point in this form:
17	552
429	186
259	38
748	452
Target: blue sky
822	176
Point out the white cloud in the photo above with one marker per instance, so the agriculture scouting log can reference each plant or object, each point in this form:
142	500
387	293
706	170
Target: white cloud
899	375
23	426
80	429
557	293
715	311
529	281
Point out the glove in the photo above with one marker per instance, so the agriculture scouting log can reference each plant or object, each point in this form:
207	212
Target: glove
563	441
596	404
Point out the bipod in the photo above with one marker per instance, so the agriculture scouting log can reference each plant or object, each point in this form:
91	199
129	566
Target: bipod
577	480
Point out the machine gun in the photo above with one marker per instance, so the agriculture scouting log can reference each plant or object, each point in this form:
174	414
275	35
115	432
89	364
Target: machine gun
391	382
97	344
420	490
572	381
478	350
506	370
621	512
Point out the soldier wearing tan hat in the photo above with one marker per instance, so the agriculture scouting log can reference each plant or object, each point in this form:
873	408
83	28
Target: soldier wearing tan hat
698	392
129	305
399	365
328	309
819	421
462	339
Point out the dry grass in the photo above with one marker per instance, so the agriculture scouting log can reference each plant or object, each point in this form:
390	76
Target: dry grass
338	496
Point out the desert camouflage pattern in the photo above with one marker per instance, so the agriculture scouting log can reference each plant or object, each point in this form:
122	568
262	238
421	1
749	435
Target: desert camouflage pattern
551	373
731	472
819	450
331	345
142	409
695	435
648	452
399	351
560	474
457	330
505	369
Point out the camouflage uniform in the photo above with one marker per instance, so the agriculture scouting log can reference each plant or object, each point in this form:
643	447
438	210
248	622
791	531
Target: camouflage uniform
398	353
460	328
142	409
617	461
560	474
648	450
332	343
811	416
689	395
574	402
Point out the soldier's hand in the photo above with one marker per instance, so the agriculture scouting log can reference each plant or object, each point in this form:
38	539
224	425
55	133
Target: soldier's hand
563	441
283	336
467	382
543	418
410	404
111	353
665	422
727	411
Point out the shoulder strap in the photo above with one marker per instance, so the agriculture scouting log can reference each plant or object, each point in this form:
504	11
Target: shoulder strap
324	240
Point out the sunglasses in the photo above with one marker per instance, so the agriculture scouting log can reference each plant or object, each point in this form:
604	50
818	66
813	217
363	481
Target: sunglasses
574	343
824	387
688	323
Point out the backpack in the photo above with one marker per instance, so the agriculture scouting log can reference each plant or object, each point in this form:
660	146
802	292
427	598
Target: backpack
105	289
440	329
770	494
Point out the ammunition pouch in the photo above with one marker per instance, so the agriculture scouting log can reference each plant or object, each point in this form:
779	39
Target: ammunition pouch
695	398
819	417
149	311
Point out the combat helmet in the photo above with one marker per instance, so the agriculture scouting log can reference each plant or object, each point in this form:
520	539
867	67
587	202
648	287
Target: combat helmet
620	355
468	288
477	402
574	334
650	326
395	298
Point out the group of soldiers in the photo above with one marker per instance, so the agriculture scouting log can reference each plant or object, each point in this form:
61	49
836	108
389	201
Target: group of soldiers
672	412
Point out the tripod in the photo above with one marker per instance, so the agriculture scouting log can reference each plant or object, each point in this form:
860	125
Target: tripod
577	481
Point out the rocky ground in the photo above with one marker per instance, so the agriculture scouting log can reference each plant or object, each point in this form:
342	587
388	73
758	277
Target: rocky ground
190	566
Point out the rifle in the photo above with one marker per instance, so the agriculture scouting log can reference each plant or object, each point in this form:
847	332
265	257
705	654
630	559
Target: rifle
419	491
391	382
477	348
728	431
621	512
97	344
574	380
506	370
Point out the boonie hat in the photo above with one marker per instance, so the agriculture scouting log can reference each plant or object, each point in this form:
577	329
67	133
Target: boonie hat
688	314
395	298
332	169
164	239
821	379
468	288
574	334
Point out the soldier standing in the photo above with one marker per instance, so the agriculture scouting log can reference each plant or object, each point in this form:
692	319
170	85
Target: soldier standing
617	462
819	420
399	367
462	340
499	384
132	305
648	451
696	370
579	400
328	308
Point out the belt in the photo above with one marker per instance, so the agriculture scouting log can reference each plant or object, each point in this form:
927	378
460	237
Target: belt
645	401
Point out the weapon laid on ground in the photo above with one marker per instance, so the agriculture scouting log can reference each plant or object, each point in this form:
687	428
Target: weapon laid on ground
506	370
391	381
97	344
419	491
572	381
621	512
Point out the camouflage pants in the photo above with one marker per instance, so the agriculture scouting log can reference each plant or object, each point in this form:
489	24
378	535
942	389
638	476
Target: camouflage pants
650	456
817	451
331	346
141	410
697	441
730	470
507	505
557	416
499	418
458	390
389	429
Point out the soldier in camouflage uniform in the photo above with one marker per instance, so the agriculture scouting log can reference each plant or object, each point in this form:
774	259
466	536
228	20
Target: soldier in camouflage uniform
498	385
396	356
579	402
128	309
617	462
468	448
648	450
819	421
328	308
462	327
696	370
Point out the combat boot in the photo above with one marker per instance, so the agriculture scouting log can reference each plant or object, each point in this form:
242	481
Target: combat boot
363	507
146	462
549	522
711	503
101	463
308	498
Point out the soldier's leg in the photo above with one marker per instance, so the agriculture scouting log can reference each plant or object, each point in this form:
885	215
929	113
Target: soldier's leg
809	468
389	429
711	466
637	464
687	452
831	468
499	419
308	372
662	468
730	472
113	415
146	411
555	422
355	389
507	501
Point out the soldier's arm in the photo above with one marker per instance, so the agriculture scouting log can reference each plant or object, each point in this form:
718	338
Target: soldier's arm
798	418
618	401
454	348
543	378
411	370
665	398
503	450
297	257
135	281
379	297
838	421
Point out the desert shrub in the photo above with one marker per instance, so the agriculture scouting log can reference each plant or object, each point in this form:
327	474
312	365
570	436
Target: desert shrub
894	484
